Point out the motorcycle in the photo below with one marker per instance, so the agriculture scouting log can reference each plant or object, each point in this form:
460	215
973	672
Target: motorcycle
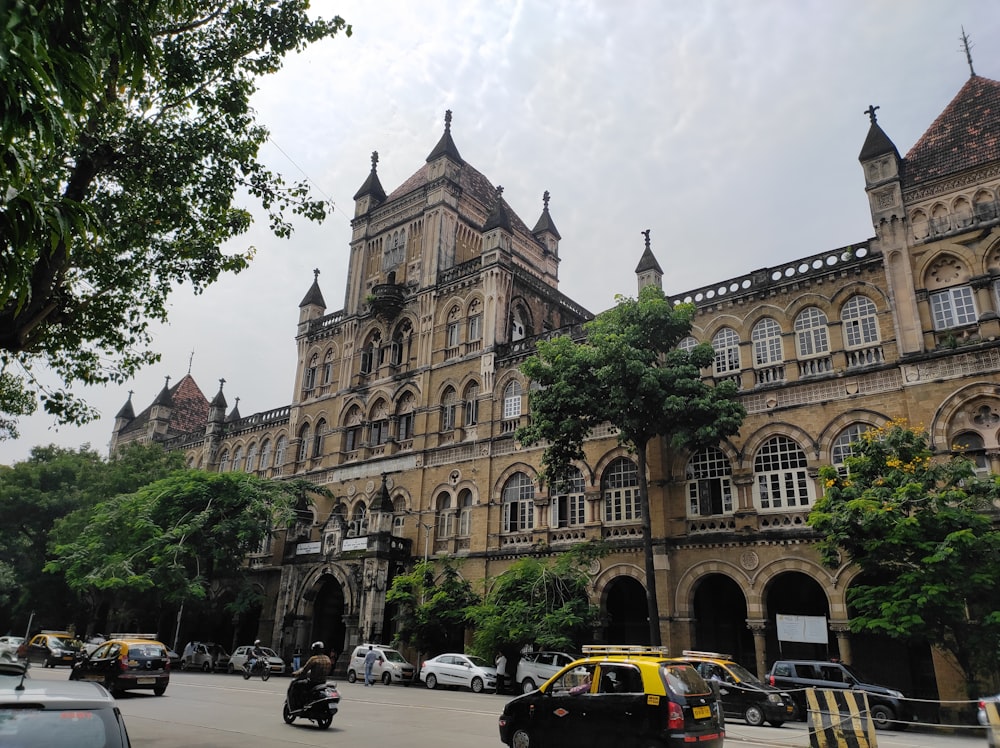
319	704
259	666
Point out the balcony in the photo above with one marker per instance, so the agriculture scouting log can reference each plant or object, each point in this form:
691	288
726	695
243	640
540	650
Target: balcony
387	300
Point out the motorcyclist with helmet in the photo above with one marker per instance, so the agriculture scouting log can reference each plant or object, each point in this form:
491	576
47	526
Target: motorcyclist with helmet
256	653
316	670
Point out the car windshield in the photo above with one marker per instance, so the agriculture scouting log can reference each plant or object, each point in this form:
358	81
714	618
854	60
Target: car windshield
860	677
269	652
684	679
743	675
146	650
478	661
46	727
393	656
64	642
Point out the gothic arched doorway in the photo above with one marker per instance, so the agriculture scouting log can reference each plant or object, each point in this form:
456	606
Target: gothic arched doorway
328	614
720	612
796	594
626	612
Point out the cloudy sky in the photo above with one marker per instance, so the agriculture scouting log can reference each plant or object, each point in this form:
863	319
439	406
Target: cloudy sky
729	128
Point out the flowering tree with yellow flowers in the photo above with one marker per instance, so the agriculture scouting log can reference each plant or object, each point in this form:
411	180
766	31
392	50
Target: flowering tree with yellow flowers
923	529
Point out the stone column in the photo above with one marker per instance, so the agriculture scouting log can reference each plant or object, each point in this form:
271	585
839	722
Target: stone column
759	629
843	633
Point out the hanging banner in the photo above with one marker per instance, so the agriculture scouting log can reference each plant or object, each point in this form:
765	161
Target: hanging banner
810	629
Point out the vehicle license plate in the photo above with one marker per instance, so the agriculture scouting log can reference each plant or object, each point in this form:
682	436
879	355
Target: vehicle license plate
702	712
145	681
332	707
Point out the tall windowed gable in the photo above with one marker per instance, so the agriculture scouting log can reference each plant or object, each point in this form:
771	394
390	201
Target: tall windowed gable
465	513
953	307
780	477
727	350
709	484
860	322
445	516
518	503
568	504
620	486
512	400
471	404
811	334
843	445
766	338
449	407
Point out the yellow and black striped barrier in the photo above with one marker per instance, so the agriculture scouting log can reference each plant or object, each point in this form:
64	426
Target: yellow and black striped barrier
992	709
839	719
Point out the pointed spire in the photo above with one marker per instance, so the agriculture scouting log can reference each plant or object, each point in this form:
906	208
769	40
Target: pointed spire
498	217
164	397
968	52
877	143
127	412
384	502
372	185
313	297
446	146
234	415
545	222
647	261
219	401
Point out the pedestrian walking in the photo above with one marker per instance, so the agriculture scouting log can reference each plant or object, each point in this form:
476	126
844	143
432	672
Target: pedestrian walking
501	663
297	658
371	657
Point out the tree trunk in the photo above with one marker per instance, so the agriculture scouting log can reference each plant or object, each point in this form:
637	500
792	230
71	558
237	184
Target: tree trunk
652	608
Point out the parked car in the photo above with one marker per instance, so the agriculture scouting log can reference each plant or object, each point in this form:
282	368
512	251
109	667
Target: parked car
205	656
51	648
743	694
534	668
629	697
47	713
242	654
984	719
12	669
394	668
459	671
887	706
8	648
126	665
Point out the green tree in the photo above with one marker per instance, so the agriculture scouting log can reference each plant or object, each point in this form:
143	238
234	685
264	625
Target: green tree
58	486
537	603
180	538
921	532
431	610
628	372
126	134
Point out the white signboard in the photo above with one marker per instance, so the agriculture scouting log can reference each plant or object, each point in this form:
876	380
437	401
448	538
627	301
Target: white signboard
354	544
312	547
810	629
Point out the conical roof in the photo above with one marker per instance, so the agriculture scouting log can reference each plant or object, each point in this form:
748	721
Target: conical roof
313	297
647	261
877	143
445	146
372	185
127	412
498	217
545	222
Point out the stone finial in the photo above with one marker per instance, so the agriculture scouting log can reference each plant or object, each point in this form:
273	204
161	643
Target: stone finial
870	111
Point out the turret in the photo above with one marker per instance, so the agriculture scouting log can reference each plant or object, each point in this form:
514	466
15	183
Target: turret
370	195
882	165
159	412
498	235
217	413
312	305
545	229
648	272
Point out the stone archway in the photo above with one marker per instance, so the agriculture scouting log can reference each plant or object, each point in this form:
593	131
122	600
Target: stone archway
328	611
796	593
625	612
720	619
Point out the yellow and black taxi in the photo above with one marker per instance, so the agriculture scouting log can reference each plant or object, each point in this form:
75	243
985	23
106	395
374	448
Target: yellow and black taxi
629	697
743	694
51	648
135	661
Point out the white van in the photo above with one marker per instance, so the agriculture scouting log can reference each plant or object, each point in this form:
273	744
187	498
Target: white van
393	669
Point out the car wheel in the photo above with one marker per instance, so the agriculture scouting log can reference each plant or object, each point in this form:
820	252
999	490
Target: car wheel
527	685
246	674
286	714
229	668
521	739
477	685
754	715
431	681
882	717
387	679
159	690
352	677
206	667
324	721
265	673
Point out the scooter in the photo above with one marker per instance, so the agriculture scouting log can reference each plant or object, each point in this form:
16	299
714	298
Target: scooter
320	703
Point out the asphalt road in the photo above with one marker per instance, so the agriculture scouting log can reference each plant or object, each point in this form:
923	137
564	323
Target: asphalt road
203	710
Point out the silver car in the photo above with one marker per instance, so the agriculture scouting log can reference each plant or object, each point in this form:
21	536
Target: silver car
459	671
242	654
534	668
8	647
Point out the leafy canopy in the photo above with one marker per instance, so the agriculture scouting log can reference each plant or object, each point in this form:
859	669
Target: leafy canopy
431	611
126	134
919	529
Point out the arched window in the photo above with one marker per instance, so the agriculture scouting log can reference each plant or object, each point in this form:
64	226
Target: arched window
568	506
303	443
727	351
474	331
238	458
224	462
252	458
843	445
860	322
453	332
399	517
370	353
811	336
512	400
318	436
709	483
445	516
359	521
379	424
465	513
328	367
518	503
400	343
310	378
265	454
281	451
352	431
971	445
687	344
404	418
471	398
780	478
766	338
449	406
620	487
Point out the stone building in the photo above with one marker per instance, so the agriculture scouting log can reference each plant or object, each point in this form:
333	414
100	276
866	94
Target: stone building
407	398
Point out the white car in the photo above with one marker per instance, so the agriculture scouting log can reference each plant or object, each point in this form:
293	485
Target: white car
394	668
534	668
242	654
8	647
459	671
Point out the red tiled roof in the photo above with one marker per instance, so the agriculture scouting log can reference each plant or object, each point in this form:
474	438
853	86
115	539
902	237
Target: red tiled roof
964	136
188	414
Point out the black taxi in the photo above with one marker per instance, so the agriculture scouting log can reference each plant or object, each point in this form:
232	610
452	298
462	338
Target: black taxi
743	694
132	661
625	696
